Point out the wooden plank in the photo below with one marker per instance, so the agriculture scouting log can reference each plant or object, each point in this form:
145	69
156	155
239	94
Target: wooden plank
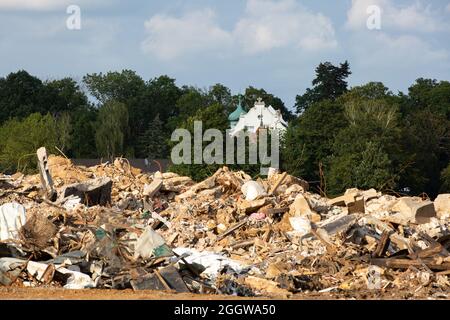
277	184
405	263
382	245
233	228
431	251
243	244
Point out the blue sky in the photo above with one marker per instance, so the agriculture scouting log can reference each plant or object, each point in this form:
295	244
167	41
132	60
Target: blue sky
273	44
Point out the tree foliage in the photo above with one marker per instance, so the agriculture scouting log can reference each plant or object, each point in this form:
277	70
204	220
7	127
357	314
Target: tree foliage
329	83
112	127
341	137
154	141
309	140
19	140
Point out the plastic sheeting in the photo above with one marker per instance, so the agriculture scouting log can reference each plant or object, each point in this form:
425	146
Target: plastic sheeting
212	262
12	218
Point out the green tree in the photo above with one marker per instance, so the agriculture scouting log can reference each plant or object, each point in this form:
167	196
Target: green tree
154	142
19	140
426	118
429	94
212	117
445	179
220	94
112	127
309	140
330	83
65	131
83	123
427	140
20	95
367	153
125	87
160	98
64	95
190	102
369	168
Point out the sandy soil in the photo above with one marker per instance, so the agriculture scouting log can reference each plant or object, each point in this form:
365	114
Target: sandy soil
18	293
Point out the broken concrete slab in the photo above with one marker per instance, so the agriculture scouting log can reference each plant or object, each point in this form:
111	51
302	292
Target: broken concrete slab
295	188
251	206
341	200
74	257
151	189
357	206
339	225
442	205
413	210
370	194
352	199
300	207
46	178
92	192
10	269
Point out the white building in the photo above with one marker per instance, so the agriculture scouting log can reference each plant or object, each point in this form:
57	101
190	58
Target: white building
257	117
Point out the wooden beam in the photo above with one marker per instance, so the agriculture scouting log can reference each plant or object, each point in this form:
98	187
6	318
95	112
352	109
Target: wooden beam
382	245
406	263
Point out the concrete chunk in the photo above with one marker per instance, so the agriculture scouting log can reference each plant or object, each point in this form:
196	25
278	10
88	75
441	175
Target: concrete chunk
151	189
300	207
352	199
46	178
252	190
413	210
92	192
442	204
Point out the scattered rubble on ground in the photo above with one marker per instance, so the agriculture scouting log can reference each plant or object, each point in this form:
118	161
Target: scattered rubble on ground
114	227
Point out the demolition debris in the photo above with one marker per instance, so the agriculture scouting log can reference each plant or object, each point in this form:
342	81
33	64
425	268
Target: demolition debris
114	227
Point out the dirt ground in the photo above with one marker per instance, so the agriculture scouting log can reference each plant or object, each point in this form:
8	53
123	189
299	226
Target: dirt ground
96	294
16	293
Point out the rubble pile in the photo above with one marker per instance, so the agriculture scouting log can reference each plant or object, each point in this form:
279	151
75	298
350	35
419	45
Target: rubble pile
113	226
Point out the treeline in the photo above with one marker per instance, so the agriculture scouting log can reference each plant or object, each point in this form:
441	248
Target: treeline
106	115
339	137
370	137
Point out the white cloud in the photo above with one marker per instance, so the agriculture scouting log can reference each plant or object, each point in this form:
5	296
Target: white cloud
403	52
275	24
265	25
30	4
448	8
197	31
414	17
46	5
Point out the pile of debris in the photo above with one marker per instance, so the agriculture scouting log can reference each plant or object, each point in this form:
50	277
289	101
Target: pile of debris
112	226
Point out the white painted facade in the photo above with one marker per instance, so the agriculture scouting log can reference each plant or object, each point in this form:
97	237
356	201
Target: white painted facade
260	116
